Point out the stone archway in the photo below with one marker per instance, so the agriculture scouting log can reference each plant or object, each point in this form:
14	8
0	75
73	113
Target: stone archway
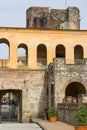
74	89
11	105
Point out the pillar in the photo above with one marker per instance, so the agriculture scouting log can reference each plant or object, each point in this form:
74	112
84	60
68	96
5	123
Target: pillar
69	55
13	56
32	58
50	55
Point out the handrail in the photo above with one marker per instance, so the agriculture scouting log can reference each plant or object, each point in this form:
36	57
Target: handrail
42	61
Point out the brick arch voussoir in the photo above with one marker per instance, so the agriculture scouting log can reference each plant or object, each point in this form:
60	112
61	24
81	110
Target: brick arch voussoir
71	81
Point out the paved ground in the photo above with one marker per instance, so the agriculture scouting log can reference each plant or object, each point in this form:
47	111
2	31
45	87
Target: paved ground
55	126
19	126
46	125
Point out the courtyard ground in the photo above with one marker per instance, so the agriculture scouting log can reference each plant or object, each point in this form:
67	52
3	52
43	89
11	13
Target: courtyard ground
39	125
19	126
54	126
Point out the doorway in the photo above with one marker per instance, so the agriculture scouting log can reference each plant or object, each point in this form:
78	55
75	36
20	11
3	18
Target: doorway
11	105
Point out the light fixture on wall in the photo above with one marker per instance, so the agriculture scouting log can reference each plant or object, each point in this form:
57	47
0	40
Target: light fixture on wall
52	82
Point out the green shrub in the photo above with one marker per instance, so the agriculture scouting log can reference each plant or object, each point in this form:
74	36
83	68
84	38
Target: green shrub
52	112
81	115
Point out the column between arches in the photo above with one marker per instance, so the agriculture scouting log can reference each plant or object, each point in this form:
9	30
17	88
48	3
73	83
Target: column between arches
13	55
50	54
69	55
32	58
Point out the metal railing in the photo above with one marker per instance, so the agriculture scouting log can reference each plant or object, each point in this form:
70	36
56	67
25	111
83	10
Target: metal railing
79	61
42	61
72	61
23	62
3	63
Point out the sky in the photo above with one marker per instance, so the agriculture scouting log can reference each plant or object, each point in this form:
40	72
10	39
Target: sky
13	12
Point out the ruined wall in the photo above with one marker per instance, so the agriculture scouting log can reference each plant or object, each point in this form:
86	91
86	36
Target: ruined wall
33	90
43	17
63	74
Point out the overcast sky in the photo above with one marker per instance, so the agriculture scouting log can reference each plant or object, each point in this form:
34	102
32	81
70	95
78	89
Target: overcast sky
13	12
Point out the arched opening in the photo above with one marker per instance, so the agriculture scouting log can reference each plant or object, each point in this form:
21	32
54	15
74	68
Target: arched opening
22	55
41	55
60	51
10	105
4	52
78	54
75	89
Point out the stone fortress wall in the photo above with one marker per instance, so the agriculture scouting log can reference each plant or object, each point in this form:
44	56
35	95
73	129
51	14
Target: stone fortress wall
65	54
43	17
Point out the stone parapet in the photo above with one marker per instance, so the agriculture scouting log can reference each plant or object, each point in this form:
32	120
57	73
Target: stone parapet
43	17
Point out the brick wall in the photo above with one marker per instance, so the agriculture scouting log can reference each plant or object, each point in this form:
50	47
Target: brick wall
33	90
43	17
63	74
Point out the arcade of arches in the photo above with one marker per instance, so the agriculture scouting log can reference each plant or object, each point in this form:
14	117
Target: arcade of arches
30	53
37	66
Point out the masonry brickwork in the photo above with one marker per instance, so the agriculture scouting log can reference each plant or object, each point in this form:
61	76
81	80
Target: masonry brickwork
31	79
36	80
43	17
31	83
62	74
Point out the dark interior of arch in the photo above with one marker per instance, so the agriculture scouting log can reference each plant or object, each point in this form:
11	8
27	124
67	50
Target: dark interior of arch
74	89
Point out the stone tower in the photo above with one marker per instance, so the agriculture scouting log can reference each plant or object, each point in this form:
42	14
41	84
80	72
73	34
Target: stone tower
43	17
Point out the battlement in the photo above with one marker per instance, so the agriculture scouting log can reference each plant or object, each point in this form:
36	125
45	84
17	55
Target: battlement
44	17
